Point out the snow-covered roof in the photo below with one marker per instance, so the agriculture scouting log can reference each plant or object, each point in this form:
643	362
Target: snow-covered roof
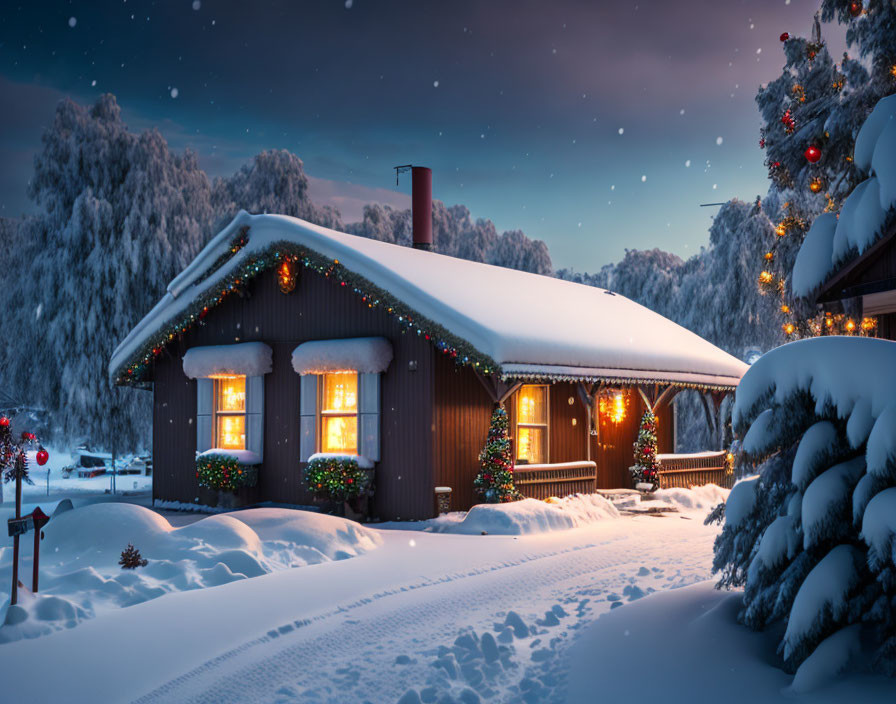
514	323
832	241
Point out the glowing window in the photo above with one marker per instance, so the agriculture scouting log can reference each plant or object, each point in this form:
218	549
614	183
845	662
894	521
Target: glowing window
230	413
339	412
532	424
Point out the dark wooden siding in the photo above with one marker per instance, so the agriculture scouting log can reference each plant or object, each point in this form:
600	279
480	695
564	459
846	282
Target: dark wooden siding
463	411
568	441
886	326
318	309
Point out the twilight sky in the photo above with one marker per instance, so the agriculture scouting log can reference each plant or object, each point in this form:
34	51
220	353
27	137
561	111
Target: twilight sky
594	126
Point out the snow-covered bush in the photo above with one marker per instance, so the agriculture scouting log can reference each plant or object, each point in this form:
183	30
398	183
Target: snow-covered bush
812	537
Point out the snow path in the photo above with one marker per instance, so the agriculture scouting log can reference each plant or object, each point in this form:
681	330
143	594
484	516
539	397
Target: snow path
345	651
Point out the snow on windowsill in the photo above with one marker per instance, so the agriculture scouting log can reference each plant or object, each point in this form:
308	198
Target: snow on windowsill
245	457
362	461
246	358
365	355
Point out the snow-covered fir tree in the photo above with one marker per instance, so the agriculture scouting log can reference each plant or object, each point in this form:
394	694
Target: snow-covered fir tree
811	538
120	216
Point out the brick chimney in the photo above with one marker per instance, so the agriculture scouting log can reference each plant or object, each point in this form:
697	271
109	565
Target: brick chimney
421	206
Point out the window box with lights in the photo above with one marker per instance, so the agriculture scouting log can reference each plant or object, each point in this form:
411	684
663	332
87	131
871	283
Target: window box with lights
340	401
230	404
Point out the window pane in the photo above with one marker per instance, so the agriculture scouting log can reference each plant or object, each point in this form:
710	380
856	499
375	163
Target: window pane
231	432
532	405
231	394
340	392
531	445
340	434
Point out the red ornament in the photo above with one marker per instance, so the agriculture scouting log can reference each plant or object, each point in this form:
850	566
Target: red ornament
812	154
42	457
4	422
784	37
855	9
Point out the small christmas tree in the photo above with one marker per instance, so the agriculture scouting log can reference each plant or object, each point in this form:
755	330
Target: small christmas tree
495	479
131	558
646	468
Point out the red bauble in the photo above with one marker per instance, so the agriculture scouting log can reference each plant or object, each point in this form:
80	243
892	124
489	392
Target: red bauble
855	9
42	457
4	421
812	154
784	37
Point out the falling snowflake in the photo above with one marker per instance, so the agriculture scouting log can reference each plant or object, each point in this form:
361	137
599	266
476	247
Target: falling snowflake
93	82
643	178
681	112
196	4
435	84
348	4
174	92
72	21
715	186
621	130
719	141
687	164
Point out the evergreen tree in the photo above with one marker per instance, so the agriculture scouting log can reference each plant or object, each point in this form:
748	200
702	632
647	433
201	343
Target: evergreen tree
120	216
494	482
645	470
812	113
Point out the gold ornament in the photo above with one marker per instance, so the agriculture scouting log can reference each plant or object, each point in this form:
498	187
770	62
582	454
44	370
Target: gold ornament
815	185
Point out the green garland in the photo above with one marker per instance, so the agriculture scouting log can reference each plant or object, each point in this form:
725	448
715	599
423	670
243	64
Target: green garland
140	365
236	244
224	473
336	478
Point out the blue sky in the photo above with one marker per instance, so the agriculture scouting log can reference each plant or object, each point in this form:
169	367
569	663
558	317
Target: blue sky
594	126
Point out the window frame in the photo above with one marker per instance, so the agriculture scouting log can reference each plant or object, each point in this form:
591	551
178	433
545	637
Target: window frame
322	413
546	425
216	412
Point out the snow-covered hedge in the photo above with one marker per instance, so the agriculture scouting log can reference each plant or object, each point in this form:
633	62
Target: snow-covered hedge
812	537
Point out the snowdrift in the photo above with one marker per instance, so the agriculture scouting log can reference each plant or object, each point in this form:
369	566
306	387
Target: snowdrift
530	516
696	629
81	577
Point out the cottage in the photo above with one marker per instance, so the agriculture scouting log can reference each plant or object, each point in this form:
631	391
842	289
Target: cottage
847	262
284	339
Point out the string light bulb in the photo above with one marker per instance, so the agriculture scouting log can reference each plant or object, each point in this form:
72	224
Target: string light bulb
781	229
788	328
815	185
766	277
850	325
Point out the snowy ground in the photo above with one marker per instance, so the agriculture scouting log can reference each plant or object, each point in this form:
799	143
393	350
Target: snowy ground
422	616
697	653
437	614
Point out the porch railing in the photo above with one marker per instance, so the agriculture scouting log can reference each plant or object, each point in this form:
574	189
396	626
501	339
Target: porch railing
685	471
539	481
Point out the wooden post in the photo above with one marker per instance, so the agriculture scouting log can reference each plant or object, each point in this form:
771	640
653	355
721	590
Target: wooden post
39	518
14	594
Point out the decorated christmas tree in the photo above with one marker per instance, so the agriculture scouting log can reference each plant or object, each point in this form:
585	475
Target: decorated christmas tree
495	479
645	470
811	114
